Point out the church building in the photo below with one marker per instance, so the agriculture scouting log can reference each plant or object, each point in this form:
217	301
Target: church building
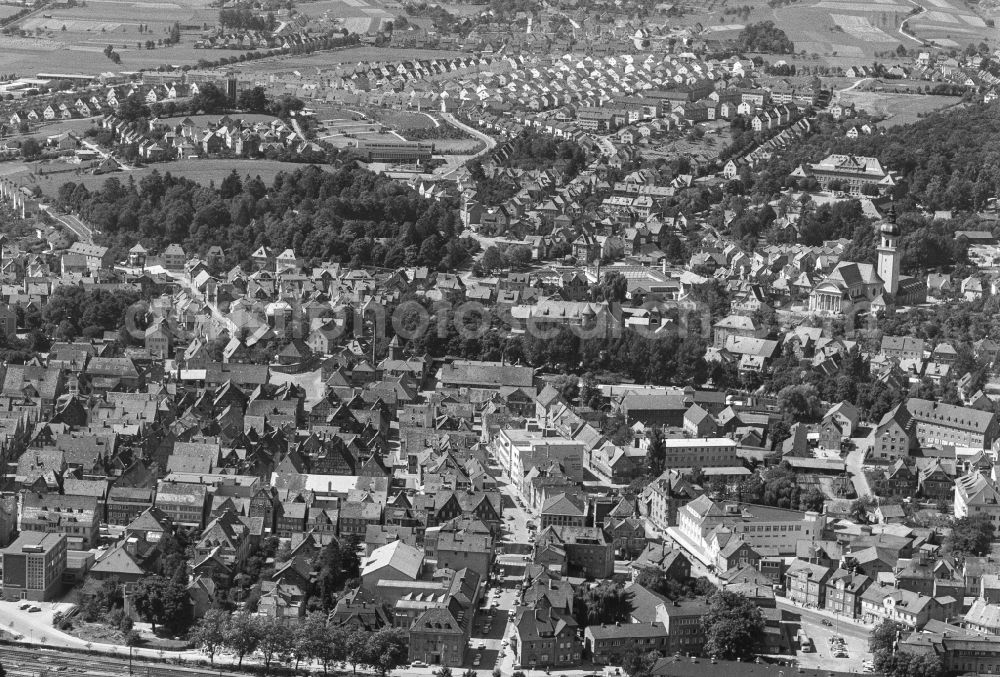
853	286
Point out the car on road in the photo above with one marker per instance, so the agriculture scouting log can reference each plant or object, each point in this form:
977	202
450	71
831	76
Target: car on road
25	606
477	660
34	609
418	664
826	623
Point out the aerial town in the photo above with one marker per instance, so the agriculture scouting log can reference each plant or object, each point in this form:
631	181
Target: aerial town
499	338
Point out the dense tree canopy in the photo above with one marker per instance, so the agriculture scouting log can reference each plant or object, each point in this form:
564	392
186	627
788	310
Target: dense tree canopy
349	215
764	37
905	664
947	161
162	601
970	535
606	602
734	626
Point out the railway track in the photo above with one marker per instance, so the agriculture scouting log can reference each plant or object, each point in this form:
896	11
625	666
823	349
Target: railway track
34	662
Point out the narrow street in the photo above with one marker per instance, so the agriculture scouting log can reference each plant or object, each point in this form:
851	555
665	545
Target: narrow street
854	463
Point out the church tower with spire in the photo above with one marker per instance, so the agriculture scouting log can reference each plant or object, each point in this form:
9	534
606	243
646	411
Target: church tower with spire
888	255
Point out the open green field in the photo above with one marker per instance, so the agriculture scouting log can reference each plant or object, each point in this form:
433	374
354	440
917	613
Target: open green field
455	146
855	29
838	28
54	127
206	120
357	16
200	171
899	109
71	39
951	23
403	120
42	55
311	63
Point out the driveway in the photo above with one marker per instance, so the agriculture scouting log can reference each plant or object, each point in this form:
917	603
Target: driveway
855	466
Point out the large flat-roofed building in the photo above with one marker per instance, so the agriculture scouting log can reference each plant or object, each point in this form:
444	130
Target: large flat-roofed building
395	151
33	566
703	452
704	526
520	450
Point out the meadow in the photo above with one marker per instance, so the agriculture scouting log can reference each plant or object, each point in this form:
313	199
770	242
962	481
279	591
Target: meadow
200	171
899	109
950	23
72	39
309	64
845	28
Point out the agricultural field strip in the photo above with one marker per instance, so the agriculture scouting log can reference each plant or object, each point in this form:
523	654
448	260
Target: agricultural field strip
857	6
861	28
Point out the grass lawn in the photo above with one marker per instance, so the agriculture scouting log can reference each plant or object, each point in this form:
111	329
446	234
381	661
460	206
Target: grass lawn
455	146
200	171
900	109
71	39
402	120
205	120
30	55
352	55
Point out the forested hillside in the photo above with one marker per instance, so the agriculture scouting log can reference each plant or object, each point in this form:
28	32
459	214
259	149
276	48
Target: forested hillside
950	160
349	215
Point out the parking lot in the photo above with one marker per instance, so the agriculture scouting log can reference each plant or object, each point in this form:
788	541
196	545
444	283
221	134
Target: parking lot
489	632
516	515
849	655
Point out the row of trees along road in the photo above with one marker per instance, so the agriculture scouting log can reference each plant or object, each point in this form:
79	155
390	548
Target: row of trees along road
315	639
